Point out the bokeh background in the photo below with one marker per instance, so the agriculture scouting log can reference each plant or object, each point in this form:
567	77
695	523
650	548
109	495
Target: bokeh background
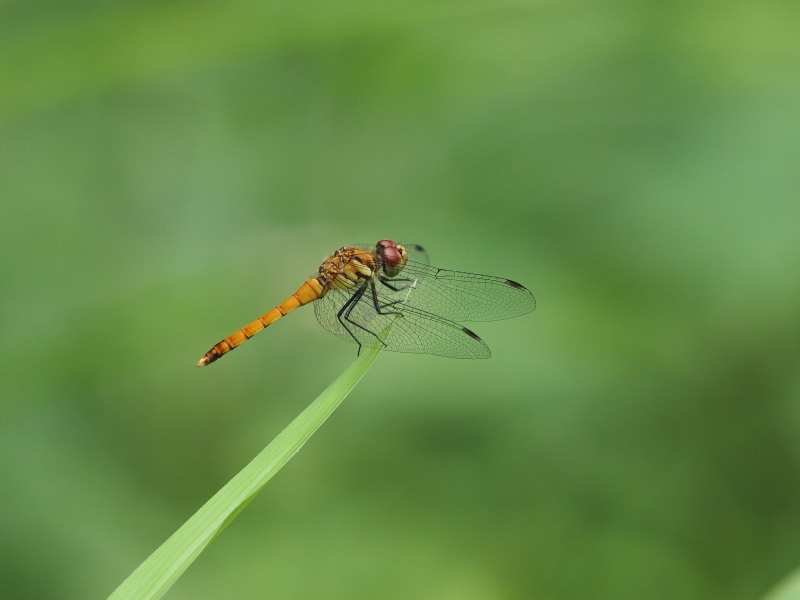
171	170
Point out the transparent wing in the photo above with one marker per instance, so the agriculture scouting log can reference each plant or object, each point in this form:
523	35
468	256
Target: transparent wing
457	295
362	315
417	253
461	296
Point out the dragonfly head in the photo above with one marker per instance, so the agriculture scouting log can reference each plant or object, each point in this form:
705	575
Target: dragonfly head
393	257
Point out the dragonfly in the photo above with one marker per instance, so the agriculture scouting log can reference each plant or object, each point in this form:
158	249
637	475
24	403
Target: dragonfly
361	291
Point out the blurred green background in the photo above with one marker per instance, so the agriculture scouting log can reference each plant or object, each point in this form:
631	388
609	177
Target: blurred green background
171	170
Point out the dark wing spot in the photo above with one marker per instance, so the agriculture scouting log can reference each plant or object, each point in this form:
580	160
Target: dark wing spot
514	284
418	248
471	334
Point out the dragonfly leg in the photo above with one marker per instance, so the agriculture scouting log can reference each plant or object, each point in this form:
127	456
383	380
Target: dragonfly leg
350	306
380	308
344	314
390	283
344	318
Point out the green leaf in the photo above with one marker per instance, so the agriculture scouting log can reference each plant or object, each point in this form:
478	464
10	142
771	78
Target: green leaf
156	575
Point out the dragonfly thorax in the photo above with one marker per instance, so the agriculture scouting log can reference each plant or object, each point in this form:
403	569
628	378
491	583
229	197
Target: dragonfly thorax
346	268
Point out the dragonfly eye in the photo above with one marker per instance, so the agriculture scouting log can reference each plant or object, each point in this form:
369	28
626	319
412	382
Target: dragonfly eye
393	256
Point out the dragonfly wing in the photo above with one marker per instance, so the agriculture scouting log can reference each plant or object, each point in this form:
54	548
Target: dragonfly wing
417	253
361	318
327	309
460	296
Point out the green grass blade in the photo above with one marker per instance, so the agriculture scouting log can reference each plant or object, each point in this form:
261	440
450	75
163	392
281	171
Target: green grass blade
788	589
156	575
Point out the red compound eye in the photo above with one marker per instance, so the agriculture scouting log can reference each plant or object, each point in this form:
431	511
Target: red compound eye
392	255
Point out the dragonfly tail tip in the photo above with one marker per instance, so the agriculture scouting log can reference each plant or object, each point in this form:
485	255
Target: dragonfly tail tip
202	362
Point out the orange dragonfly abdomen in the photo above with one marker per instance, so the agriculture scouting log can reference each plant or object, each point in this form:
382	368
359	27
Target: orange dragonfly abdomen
311	290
